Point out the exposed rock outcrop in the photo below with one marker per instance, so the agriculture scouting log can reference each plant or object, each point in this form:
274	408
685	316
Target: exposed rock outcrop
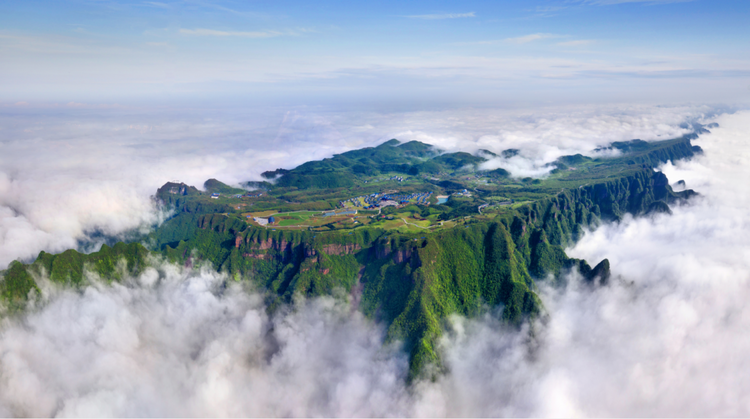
341	249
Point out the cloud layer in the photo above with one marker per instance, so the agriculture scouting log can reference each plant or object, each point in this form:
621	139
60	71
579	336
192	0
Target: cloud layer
242	34
667	337
175	343
72	173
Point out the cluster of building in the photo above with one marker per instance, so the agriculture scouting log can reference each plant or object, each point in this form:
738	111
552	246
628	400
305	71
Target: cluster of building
396	178
463	193
420	198
332	213
263	221
377	200
247	195
354	201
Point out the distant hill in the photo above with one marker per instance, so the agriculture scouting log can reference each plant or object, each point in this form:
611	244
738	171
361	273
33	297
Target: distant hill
412	158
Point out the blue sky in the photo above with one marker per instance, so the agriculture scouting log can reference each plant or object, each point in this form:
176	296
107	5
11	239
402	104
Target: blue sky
420	54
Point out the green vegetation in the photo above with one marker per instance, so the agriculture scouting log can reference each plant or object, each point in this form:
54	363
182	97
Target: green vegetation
214	186
409	266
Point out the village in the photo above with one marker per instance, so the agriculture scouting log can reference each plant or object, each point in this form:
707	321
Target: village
216	195
394	178
347	213
388	208
351	212
381	200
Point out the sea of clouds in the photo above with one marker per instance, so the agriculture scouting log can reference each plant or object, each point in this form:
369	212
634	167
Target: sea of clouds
72	175
667	337
174	342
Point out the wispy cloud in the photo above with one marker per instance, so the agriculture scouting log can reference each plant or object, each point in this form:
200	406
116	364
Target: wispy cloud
576	43
157	4
215	6
443	16
212	5
242	34
57	45
546	9
516	40
530	38
650	2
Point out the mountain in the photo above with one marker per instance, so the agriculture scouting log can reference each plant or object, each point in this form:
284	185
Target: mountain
411	234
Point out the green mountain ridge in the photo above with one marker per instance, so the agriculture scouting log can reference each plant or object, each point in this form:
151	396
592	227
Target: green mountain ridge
409	265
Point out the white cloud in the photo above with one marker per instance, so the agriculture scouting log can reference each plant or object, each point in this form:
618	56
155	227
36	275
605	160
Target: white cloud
158	4
576	43
173	343
242	34
530	38
63	178
443	16
667	337
543	135
62	68
548	9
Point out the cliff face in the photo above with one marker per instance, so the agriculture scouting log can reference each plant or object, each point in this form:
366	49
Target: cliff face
175	195
412	283
670	151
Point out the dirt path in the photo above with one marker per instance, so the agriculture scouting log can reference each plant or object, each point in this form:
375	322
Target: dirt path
415	225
